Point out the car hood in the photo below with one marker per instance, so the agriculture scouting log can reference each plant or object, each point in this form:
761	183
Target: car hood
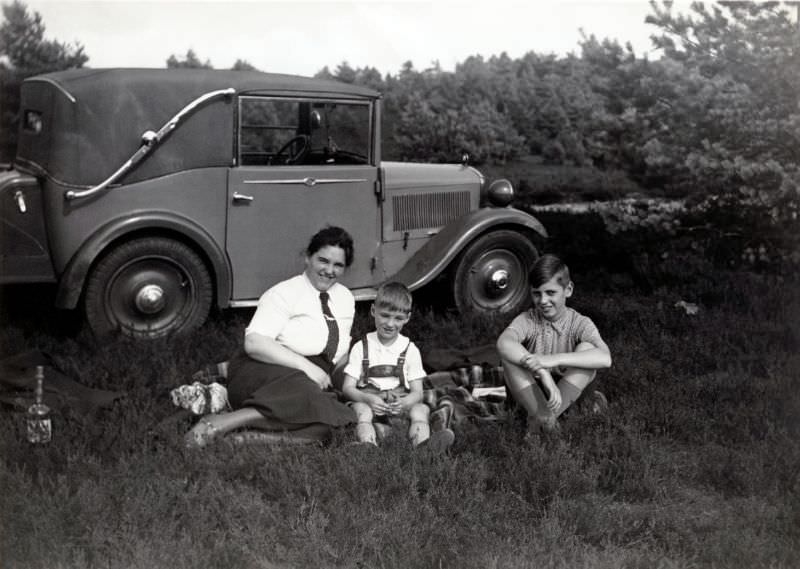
404	175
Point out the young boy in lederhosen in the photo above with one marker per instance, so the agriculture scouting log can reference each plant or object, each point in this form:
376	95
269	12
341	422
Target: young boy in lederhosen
383	377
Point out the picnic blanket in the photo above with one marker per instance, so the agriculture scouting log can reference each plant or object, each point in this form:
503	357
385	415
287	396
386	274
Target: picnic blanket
476	393
464	385
17	382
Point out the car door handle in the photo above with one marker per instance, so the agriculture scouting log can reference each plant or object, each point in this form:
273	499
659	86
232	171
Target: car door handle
237	197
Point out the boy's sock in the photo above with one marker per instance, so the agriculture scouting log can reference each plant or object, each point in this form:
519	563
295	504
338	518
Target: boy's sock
569	394
527	398
365	433
418	432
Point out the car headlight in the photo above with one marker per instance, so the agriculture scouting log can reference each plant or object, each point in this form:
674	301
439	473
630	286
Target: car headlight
501	193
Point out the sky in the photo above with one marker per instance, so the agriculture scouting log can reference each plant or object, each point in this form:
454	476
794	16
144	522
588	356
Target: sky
301	37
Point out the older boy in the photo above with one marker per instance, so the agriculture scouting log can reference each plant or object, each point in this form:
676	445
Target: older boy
550	340
383	377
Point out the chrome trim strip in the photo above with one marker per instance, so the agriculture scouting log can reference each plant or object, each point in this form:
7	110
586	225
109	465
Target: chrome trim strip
366	293
57	85
150	140
360	294
243	303
310	182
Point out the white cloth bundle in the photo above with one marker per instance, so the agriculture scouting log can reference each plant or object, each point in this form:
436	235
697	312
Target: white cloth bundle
200	398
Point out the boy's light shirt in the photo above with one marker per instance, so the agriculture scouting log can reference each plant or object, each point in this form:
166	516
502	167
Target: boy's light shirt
379	354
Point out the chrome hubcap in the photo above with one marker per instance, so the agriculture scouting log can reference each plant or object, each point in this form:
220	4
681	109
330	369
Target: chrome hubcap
150	299
499	280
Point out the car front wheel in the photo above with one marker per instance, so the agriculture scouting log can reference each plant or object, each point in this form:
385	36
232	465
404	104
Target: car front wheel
491	274
148	288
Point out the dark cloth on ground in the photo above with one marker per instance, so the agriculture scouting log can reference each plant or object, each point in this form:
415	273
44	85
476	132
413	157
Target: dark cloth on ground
17	382
283	395
440	359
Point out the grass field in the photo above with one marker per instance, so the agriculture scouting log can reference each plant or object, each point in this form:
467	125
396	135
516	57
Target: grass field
696	465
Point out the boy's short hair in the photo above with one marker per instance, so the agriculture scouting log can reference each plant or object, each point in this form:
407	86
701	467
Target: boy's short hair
393	296
547	267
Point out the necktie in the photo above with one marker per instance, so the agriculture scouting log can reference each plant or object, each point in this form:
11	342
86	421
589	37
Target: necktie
333	328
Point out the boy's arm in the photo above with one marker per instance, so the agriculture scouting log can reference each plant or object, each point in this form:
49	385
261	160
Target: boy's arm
413	397
510	348
598	357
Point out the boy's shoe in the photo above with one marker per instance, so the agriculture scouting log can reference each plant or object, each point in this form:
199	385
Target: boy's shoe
598	403
439	442
536	429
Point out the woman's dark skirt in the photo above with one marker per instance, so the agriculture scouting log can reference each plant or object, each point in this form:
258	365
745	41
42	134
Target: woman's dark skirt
283	394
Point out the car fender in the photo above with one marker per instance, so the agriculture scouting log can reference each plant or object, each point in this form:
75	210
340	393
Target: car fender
434	257
74	276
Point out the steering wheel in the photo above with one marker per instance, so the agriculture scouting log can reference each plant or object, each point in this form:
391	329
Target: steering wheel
294	158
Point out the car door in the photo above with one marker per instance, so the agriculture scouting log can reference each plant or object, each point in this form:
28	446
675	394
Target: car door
303	164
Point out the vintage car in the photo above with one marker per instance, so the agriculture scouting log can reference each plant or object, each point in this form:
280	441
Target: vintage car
150	196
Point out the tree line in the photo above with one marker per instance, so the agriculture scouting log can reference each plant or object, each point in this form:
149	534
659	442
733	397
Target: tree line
716	114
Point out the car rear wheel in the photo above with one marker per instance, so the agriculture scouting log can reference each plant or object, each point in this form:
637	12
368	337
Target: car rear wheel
491	274
148	288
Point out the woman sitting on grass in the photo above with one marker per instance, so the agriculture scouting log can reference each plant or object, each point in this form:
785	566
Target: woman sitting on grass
300	330
551	340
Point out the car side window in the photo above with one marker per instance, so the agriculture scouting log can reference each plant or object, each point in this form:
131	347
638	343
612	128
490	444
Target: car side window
265	124
287	132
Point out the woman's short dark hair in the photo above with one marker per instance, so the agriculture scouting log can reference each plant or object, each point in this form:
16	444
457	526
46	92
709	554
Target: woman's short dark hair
332	237
547	267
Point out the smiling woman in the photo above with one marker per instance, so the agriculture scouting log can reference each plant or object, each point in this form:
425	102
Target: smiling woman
281	380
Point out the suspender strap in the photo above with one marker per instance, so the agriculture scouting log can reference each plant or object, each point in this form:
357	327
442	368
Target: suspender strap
362	381
401	368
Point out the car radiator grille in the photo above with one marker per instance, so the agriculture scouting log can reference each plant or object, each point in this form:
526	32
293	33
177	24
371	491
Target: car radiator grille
420	211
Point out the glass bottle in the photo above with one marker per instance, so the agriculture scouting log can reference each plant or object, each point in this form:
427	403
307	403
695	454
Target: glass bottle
40	428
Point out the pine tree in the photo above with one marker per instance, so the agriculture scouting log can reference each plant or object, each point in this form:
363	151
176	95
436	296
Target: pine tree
25	52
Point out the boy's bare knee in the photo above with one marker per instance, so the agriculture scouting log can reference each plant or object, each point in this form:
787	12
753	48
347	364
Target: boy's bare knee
577	376
517	377
363	412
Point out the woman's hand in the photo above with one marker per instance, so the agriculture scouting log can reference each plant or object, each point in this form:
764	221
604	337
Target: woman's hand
318	375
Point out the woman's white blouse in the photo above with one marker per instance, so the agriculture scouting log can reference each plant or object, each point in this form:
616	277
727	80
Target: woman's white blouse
290	313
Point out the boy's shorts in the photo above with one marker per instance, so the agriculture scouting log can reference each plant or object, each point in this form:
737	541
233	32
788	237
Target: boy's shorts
386	395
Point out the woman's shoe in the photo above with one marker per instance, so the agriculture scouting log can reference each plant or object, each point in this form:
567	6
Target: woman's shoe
203	433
